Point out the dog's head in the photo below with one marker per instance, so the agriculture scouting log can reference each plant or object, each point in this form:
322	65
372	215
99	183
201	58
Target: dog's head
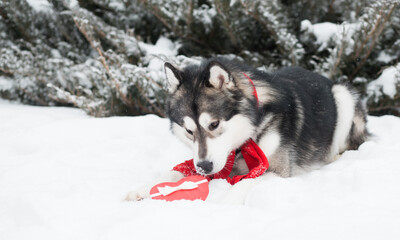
210	111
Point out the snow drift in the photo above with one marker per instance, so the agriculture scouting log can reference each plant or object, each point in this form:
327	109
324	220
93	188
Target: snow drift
63	175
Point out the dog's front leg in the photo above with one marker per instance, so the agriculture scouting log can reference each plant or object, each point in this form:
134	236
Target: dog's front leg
144	191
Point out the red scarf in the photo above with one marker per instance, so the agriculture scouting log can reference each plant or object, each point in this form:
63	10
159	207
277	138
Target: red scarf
255	159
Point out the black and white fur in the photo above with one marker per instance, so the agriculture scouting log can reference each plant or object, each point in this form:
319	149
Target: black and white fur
301	117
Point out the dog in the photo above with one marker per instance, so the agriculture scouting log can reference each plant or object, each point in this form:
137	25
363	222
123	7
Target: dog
297	117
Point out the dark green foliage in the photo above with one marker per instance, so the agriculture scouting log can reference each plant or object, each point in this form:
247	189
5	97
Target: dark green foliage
95	54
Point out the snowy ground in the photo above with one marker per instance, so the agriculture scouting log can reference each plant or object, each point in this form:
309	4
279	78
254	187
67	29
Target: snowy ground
63	175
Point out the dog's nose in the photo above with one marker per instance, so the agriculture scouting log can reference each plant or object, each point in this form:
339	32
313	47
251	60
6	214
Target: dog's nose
205	166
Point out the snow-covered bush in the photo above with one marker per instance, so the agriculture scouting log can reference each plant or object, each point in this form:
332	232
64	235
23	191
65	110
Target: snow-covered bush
384	92
106	56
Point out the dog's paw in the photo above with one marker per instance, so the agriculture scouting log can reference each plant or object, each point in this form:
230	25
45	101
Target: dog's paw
138	195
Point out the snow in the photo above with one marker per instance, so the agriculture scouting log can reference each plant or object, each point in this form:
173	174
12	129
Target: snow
6	84
40	5
163	47
387	83
73	3
205	15
118	5
82	79
232	3
327	31
63	175
385	58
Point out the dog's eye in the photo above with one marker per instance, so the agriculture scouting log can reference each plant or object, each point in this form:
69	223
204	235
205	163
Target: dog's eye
189	131
213	125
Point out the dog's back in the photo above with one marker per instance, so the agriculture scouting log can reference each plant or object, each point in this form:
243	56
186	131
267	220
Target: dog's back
322	119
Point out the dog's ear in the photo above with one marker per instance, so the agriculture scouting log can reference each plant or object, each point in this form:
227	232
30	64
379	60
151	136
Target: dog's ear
174	77
219	77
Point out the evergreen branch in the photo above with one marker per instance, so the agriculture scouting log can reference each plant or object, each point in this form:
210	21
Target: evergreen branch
257	18
394	106
67	96
77	101
17	28
155	10
157	109
286	42
34	97
225	23
374	41
115	81
83	30
338	57
370	34
7	72
152	80
189	16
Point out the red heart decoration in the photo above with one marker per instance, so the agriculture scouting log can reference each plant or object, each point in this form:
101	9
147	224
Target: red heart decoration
188	188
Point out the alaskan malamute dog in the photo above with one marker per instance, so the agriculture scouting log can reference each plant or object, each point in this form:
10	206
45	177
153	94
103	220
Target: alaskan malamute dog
296	117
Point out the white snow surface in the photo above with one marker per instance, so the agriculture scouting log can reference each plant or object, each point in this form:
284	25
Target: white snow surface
63	175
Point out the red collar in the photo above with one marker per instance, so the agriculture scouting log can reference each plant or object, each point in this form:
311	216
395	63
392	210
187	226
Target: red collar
254	88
